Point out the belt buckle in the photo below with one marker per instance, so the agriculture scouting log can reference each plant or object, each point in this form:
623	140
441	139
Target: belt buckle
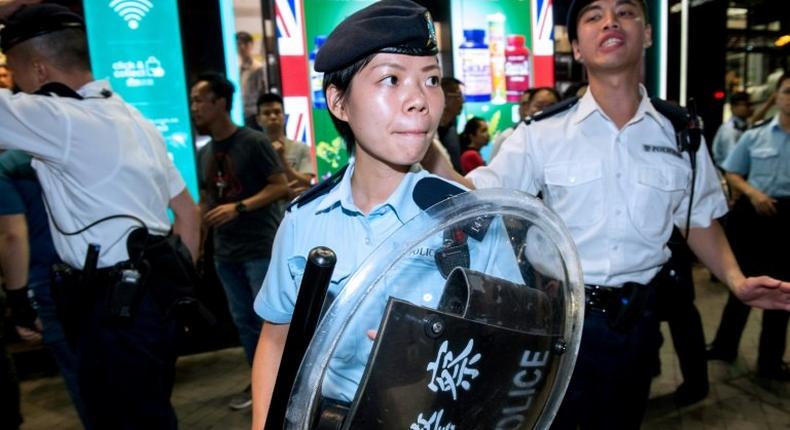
595	297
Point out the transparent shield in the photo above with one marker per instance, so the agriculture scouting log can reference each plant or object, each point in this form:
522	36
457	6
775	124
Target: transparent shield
470	314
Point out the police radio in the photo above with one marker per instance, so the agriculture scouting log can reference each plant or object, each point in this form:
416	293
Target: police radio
691	139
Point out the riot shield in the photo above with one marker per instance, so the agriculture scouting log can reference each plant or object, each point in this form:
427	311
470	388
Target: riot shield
468	316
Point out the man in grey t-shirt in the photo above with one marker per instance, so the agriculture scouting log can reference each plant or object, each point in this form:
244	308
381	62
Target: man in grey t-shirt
295	156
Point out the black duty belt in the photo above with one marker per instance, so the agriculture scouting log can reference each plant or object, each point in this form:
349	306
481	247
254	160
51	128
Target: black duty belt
601	298
623	306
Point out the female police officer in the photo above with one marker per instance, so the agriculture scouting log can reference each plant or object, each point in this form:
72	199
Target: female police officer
382	84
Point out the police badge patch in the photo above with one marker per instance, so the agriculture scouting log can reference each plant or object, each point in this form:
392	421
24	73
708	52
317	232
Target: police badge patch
431	30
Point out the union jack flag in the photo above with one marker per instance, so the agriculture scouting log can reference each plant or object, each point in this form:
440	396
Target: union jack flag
543	43
290	27
293	70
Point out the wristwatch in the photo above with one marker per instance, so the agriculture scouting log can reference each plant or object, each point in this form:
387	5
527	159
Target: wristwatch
241	207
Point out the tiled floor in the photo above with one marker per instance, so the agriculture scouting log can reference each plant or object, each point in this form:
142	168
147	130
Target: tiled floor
206	382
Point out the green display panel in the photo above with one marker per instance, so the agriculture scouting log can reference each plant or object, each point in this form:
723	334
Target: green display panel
136	46
321	17
492	55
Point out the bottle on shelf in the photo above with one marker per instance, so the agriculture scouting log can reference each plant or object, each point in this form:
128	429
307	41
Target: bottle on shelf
475	66
516	67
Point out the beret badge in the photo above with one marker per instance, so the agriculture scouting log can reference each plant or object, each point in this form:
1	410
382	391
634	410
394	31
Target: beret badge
431	30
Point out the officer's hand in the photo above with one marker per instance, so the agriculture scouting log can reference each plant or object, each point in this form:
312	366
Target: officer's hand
220	215
31	334
763	204
764	292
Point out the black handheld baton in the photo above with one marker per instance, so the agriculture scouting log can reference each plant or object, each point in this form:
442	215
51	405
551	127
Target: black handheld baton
91	261
307	312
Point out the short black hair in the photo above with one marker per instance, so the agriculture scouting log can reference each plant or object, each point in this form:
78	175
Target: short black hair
219	85
551	90
341	79
578	5
448	82
470	128
269	98
739	97
66	49
243	37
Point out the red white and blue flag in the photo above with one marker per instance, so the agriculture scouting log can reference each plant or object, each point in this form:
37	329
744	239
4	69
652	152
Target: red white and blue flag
295	77
543	42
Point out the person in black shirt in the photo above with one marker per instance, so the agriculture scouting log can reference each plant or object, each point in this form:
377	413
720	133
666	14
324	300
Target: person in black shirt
241	180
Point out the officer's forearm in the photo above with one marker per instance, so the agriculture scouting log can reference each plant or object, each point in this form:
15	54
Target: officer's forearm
710	245
14	250
739	183
276	189
264	370
438	164
187	221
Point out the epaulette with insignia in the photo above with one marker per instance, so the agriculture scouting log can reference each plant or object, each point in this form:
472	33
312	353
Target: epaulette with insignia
677	115
319	189
760	123
552	110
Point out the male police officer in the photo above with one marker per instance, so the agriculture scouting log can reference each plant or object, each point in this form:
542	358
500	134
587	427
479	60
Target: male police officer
609	165
728	134
106	180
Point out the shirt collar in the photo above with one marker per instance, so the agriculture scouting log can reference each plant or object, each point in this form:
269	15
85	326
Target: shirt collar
401	200
774	124
737	121
95	89
588	105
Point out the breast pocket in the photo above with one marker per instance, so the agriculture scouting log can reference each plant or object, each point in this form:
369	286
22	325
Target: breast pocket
575	192
764	162
658	192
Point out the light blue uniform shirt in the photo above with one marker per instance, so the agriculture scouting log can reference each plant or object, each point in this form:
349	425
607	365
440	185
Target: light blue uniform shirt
763	155
726	137
334	221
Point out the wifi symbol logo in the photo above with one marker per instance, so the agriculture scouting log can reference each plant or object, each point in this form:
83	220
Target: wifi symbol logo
132	11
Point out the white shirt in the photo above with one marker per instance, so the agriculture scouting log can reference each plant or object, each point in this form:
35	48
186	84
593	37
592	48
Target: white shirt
95	157
618	191
500	139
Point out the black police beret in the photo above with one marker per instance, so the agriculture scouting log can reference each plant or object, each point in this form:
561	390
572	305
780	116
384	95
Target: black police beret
577	6
397	26
36	20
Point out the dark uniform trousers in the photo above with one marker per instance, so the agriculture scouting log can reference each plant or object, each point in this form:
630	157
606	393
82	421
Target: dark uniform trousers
126	371
760	244
10	418
676	307
126	365
611	381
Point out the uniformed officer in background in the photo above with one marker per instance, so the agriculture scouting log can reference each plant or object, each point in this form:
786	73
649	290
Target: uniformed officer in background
609	165
107	182
759	227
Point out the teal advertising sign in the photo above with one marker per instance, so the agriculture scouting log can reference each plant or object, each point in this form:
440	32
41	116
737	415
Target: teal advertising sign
136	46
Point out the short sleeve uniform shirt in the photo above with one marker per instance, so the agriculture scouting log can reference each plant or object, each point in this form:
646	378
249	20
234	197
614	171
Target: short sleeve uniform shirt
334	221
94	158
619	191
763	154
